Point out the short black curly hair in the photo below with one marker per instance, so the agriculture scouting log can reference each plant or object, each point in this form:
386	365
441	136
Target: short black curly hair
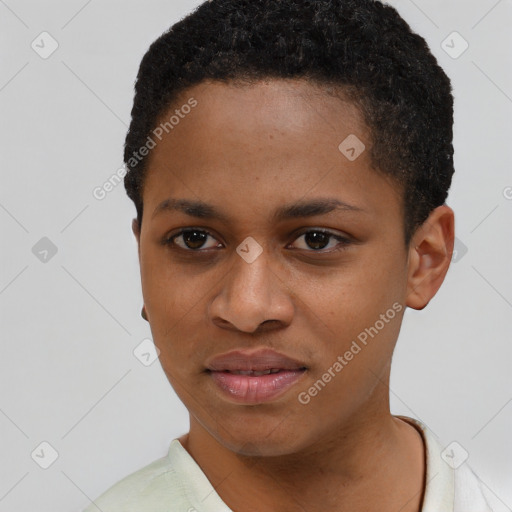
363	47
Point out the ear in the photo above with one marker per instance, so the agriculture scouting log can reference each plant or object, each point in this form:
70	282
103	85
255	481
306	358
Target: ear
136	232
430	254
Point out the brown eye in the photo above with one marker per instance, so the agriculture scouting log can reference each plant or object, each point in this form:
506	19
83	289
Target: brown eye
192	239
316	239
319	240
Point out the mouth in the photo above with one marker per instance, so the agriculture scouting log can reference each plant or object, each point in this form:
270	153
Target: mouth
254	377
246	362
255	373
255	387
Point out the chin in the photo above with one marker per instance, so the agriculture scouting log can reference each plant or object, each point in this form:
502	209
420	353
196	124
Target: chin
259	441
260	448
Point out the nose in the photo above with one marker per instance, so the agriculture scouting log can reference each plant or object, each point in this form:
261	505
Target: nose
253	297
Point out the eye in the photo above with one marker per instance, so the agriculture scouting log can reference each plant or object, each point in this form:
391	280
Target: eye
192	239
318	239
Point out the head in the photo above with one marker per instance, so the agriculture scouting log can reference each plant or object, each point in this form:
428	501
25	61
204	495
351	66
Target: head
315	137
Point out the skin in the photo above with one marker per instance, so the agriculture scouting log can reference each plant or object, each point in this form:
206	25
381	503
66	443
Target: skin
248	150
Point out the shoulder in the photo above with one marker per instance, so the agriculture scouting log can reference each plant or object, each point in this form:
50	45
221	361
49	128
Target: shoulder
469	492
152	488
174	483
450	483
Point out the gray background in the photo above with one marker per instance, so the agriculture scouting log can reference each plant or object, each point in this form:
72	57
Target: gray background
70	321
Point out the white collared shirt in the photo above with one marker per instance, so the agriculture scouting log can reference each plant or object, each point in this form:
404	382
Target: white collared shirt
176	483
448	487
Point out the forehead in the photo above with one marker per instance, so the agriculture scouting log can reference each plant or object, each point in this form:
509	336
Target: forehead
286	111
272	105
266	141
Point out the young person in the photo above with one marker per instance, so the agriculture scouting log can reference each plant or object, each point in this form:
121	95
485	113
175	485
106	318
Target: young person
289	161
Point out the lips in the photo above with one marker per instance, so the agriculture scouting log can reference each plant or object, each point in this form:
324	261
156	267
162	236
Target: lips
253	377
262	360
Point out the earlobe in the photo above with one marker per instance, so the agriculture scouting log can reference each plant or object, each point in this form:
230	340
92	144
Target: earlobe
136	232
136	229
430	256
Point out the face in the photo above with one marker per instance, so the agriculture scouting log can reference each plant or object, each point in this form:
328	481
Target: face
295	245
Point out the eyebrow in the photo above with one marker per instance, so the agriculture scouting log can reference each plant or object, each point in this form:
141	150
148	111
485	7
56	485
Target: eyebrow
299	209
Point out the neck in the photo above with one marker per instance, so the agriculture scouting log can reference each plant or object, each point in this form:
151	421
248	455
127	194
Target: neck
374	462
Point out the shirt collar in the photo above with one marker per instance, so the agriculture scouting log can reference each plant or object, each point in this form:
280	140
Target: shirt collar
439	476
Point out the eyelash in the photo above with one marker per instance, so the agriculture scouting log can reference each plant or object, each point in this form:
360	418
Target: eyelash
343	241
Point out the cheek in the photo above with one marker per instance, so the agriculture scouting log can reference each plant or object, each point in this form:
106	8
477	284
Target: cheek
363	313
176	306
360	294
163	287
350	365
